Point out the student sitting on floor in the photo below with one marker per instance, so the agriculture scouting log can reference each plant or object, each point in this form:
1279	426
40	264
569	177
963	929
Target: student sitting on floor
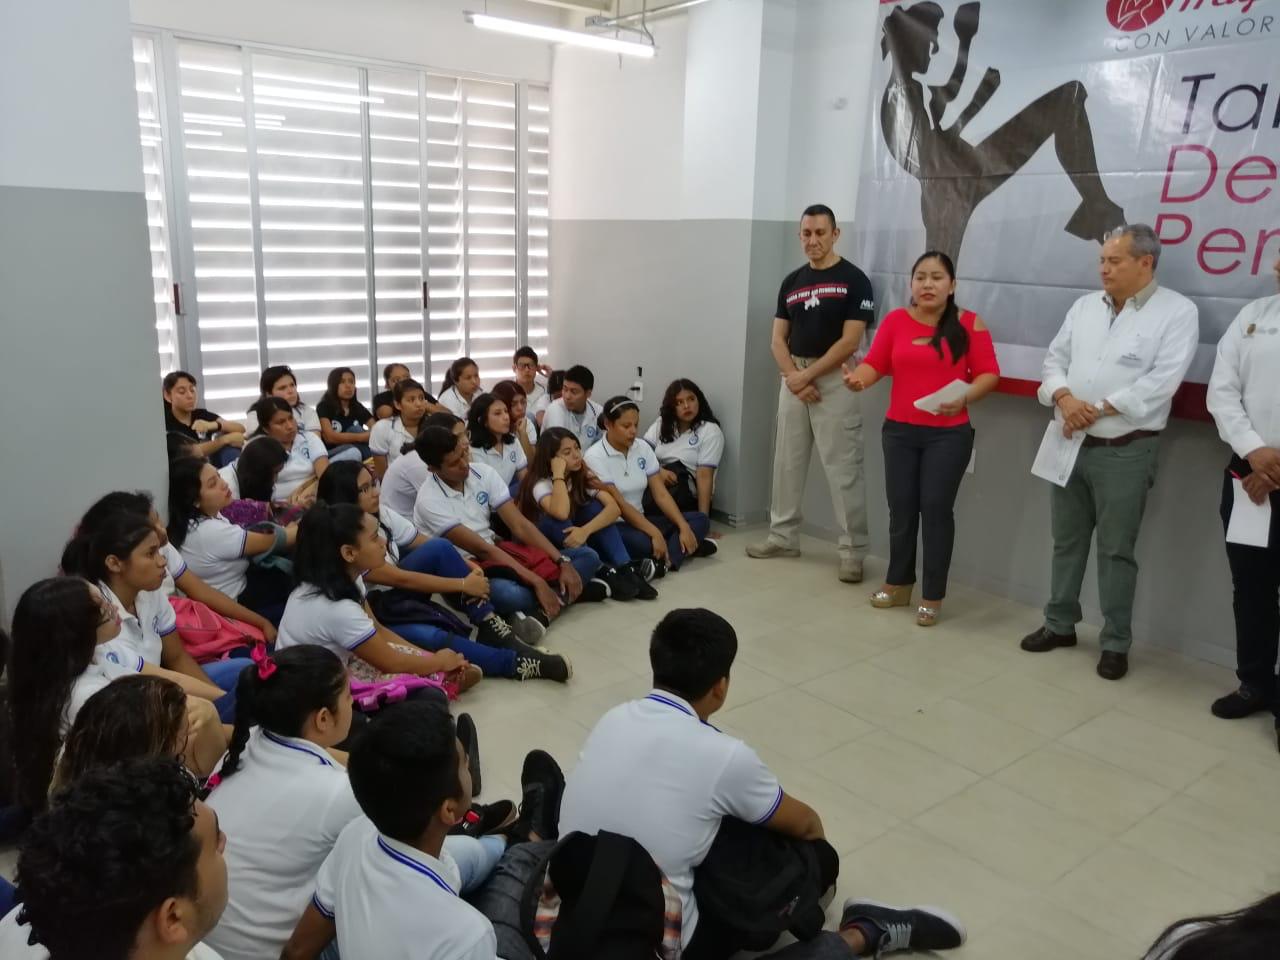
629	466
218	551
575	410
141	716
404	478
344	420
383	403
460	501
555	387
689	443
399	591
526	368
390	437
571	506
215	437
279	381
308	458
522	425
655	770
63	652
125	865
337	544
460	387
493	440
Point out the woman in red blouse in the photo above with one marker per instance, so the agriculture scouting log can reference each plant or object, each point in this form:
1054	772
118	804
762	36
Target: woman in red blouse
925	347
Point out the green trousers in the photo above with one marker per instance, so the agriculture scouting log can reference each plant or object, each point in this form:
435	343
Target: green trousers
1107	493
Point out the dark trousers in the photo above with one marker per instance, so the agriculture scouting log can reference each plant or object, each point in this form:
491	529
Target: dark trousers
639	545
923	467
1255	577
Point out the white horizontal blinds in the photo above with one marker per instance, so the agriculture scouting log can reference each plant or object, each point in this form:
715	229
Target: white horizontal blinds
537	154
215	151
489	179
443	179
149	113
396	191
311	198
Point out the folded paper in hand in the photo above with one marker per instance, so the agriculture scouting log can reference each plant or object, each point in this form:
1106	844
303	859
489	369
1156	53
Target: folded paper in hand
953	391
1056	458
1250	524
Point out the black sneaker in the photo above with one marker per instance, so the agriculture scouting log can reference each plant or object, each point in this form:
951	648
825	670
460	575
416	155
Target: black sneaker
493	631
644	589
621	584
707	548
537	665
531	630
471	744
646	569
486	818
1241	703
542	782
914	928
660	568
593	591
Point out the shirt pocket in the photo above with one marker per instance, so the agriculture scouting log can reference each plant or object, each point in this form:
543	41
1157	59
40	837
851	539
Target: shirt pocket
1136	351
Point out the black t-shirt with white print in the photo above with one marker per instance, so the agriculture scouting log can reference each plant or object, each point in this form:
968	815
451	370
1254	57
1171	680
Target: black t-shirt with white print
818	302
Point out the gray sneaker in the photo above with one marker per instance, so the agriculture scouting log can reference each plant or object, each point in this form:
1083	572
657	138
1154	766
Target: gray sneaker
528	629
769	549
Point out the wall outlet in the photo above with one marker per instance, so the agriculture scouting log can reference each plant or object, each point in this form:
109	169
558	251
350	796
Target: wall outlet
637	389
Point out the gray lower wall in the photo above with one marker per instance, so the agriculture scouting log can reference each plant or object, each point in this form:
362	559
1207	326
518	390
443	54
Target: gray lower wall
78	369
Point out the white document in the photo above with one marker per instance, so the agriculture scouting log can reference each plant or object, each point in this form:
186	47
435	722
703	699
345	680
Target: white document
1056	458
1250	524
949	394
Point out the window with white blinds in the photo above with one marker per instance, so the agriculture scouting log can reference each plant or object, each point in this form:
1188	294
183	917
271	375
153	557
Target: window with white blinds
339	214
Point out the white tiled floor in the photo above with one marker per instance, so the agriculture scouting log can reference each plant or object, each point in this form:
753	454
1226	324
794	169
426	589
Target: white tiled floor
1059	815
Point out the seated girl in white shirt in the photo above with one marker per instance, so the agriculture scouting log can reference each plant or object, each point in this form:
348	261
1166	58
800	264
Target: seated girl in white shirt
522	425
687	433
65	649
461	386
390	437
279	381
404	478
308	458
493	441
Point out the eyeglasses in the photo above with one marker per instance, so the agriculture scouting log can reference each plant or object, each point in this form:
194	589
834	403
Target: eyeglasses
366	487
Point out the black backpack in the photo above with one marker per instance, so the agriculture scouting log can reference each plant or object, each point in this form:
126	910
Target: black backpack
612	905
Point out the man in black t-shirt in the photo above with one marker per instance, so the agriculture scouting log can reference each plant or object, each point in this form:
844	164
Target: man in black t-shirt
824	308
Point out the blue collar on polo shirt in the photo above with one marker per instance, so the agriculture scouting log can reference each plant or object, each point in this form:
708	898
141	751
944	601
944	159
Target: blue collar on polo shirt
299	745
415	860
675	702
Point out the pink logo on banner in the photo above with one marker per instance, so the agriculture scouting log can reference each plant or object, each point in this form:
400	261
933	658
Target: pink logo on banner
1136	14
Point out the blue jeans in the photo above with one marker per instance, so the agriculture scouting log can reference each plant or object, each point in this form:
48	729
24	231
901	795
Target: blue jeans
494	661
639	544
440	558
225	673
226	455
607	542
512	596
476	857
348	451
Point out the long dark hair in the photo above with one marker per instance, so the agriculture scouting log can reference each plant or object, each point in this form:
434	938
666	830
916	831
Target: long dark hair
130	717
340	484
332	384
507	391
614	408
322	532
1244	934
264	408
257	466
306	678
547	448
478	431
669	426
184	496
455	370
55	629
116	536
949	326
75	555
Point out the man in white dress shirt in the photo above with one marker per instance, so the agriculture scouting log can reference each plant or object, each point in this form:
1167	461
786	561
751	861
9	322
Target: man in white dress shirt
1244	398
1111	372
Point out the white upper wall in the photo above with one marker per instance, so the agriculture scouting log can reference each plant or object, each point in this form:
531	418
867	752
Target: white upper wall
429	33
55	105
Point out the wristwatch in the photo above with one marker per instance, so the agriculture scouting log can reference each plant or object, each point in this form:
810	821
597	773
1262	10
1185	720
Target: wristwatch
562	559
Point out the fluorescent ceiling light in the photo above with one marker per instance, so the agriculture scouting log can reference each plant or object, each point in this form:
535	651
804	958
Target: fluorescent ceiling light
537	31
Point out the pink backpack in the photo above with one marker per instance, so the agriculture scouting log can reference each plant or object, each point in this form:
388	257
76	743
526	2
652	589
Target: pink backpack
369	696
209	636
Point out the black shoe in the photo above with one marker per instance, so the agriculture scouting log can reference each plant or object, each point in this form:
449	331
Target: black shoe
1112	665
593	591
531	630
621	585
493	631
1241	703
914	928
644	589
660	568
644	568
486	818
707	548
1042	641
536	665
542	782
471	744
1278	733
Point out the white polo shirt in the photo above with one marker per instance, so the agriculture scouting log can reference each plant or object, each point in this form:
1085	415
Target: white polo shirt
307	418
456	403
1244	391
702	447
142	632
388	438
110	661
628	472
14	945
1135	359
214	550
651	770
175	567
402	533
582	425
228	473
540	405
440	508
508	462
301	466
282	811
544	488
337	625
534	395
391	901
529	428
402	481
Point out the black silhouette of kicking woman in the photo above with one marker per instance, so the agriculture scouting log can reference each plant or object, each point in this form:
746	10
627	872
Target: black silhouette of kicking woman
955	175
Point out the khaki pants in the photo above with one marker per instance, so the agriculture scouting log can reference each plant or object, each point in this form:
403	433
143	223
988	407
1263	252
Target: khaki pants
835	425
